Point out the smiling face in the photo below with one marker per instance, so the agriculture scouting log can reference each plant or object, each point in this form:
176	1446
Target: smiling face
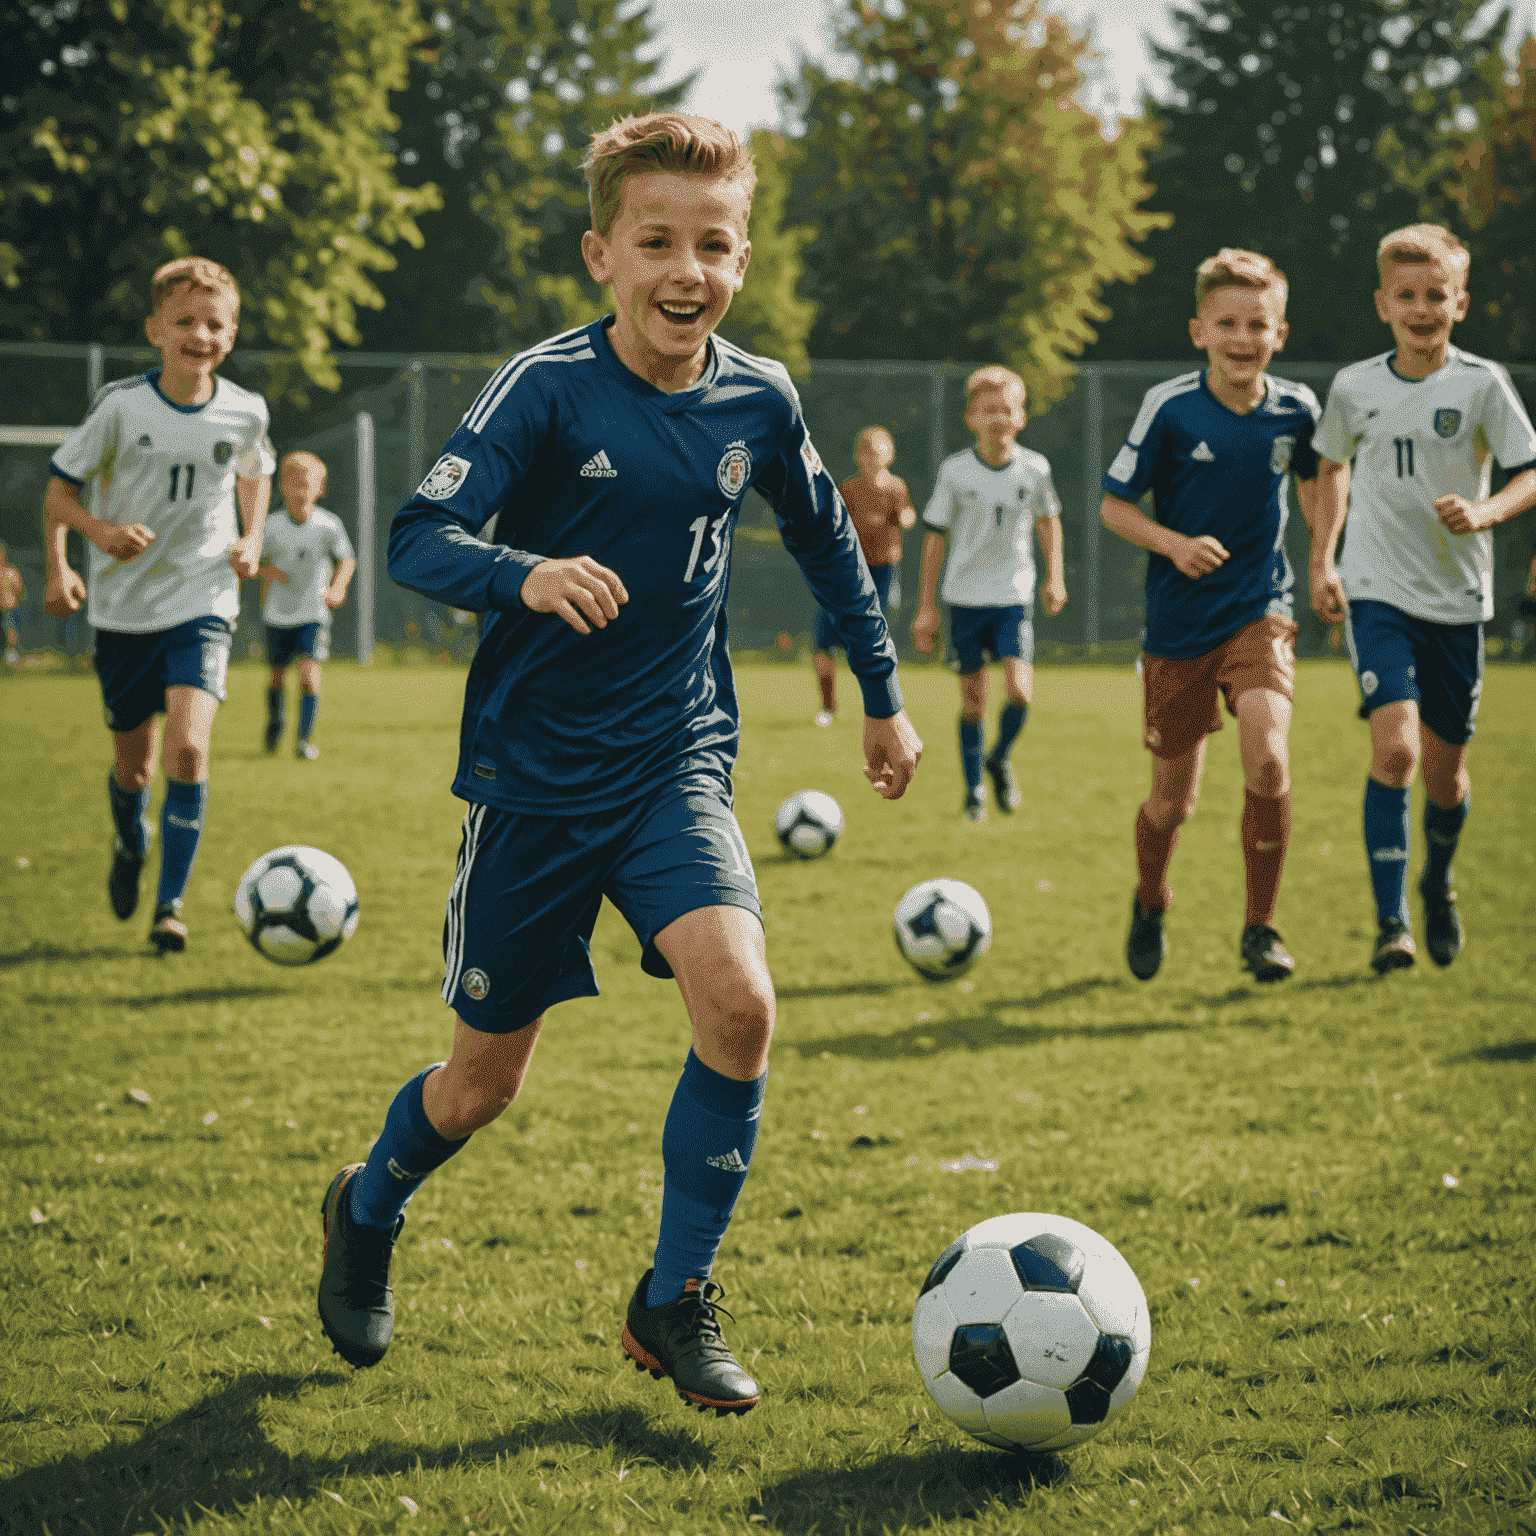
1239	330
996	415
1421	301
674	255
194	328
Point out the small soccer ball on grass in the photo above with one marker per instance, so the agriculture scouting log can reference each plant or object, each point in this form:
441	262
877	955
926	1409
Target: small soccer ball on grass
943	928
809	823
296	904
1031	1332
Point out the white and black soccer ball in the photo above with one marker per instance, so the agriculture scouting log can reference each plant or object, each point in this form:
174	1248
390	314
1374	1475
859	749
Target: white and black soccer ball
296	904
809	823
943	928
1031	1332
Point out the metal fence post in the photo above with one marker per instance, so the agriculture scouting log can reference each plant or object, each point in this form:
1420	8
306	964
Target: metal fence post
1093	495
95	369
936	440
416	425
366	551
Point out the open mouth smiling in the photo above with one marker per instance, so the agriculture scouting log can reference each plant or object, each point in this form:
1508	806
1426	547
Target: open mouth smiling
680	312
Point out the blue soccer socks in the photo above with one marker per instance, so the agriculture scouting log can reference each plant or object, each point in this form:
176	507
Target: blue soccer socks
1442	828
130	815
408	1149
1009	723
706	1149
970	753
181	829
1387	837
309	707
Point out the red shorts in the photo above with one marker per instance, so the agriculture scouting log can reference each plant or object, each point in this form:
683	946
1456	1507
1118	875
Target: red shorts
1179	706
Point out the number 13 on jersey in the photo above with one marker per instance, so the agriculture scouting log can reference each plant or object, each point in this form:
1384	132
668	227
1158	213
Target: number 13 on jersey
698	527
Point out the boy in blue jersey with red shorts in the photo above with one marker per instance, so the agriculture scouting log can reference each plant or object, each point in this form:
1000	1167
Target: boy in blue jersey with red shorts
1214	447
600	719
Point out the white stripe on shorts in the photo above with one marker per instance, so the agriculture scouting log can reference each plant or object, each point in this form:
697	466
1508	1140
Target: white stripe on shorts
453	937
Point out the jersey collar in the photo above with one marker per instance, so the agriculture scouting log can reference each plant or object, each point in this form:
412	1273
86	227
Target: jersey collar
1259	409
679	399
1402	378
186	410
996	469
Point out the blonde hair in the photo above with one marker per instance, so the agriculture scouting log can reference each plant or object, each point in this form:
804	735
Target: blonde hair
661	141
1234	268
1420	244
196	272
869	435
993	376
302	459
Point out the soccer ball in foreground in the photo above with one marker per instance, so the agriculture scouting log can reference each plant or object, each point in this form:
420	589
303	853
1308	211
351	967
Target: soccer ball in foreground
809	823
1031	1332
296	904
943	927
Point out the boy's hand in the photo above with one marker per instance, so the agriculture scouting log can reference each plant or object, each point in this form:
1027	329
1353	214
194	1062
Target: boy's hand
1460	515
1328	601
1199	557
245	557
331	597
1054	595
64	594
123	541
577	590
891	751
925	627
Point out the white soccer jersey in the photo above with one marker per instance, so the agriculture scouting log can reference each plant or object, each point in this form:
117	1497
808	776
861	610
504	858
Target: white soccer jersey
1413	440
173	468
989	516
307	554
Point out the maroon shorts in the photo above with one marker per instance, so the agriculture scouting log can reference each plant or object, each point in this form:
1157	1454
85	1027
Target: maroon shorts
1179	705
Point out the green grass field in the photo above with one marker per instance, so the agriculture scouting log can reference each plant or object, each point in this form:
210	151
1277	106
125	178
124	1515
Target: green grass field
1325	1187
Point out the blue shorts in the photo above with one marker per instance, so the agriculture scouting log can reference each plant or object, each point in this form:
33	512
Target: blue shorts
527	890
885	577
136	669
1438	666
285	642
976	633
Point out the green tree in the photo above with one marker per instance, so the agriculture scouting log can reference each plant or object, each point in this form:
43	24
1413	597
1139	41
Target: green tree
132	131
965	204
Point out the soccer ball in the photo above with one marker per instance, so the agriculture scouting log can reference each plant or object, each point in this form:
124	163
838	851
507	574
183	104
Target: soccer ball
296	904
942	927
808	824
1031	1332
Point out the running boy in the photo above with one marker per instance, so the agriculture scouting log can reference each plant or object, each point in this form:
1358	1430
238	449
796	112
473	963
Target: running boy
1214	447
306	564
881	508
1422	425
171	452
986	497
600	719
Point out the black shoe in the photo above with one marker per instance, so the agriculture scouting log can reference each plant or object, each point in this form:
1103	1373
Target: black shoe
357	1307
1005	787
1394	947
1442	927
1146	943
682	1340
974	806
169	933
123	880
1265	955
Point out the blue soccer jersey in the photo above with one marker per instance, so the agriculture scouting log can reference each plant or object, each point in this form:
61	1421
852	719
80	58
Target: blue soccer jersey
575	455
1212	471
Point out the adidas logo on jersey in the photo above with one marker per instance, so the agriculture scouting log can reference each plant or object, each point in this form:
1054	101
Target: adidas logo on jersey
598	467
1203	454
731	1162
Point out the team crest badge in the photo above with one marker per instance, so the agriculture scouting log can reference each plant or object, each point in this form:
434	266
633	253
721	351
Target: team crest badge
1280	454
144	441
444	478
734	470
223	451
1447	422
476	983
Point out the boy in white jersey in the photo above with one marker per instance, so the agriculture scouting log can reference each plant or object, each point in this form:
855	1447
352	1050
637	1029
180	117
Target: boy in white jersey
985	498
168	454
306	564
1421	426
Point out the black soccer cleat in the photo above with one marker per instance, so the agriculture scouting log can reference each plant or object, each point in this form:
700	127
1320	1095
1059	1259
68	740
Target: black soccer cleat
1394	947
974	806
1146	944
168	933
682	1340
272	735
1264	955
1005	786
123	880
1442	925
357	1307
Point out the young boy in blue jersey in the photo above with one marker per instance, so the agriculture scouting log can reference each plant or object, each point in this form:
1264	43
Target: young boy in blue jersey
600	719
169	455
1214	448
1408	442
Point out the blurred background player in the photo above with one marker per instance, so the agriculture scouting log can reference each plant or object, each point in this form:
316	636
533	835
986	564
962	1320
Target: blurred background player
306	564
1422	425
12	590
985	499
881	508
170	453
1214	448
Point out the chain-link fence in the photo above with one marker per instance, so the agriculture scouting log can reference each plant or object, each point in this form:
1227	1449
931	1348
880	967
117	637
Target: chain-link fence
383	429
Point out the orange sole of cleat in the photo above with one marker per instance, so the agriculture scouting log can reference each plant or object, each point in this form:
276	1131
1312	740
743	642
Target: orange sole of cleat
645	1362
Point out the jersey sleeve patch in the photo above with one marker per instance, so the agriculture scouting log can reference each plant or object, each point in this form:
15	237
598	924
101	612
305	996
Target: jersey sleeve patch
1124	466
444	478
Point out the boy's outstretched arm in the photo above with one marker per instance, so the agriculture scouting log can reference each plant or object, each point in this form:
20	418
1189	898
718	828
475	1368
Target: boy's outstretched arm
925	622
341	579
1462	516
254	495
1192	557
1053	591
1325	510
65	590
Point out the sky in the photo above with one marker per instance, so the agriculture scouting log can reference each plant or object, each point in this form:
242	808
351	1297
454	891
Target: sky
742	46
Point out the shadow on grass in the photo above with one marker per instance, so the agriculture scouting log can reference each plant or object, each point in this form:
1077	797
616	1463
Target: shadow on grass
215	1458
35	953
171	999
843	989
950	1483
1510	1050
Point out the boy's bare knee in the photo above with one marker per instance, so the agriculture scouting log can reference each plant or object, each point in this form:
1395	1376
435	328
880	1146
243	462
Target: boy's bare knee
186	764
737	1033
1270	777
133	779
1395	763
